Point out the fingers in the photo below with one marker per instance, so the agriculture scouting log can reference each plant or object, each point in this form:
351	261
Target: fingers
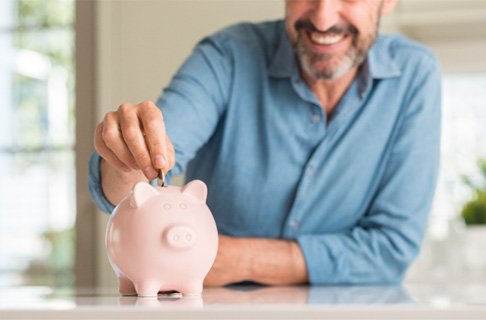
155	135
133	136
113	139
105	152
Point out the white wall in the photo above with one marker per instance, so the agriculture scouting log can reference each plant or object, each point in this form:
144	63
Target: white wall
143	42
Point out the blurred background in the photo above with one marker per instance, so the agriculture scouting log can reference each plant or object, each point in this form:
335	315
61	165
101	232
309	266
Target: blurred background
65	63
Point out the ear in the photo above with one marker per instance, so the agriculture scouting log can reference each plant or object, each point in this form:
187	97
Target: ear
197	189
388	6
141	192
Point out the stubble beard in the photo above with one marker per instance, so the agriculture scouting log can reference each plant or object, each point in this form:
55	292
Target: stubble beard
321	66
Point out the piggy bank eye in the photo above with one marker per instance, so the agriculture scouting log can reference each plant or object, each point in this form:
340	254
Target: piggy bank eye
183	206
166	206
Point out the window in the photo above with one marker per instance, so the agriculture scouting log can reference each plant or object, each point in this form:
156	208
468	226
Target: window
463	140
37	176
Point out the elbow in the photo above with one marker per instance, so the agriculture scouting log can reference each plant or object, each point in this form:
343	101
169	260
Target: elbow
397	262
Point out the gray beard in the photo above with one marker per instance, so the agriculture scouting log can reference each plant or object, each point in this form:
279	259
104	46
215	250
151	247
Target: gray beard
353	58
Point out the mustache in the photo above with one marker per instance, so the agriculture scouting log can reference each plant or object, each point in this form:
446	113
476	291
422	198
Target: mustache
307	25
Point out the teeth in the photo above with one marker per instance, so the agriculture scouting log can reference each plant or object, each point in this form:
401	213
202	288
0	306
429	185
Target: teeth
321	39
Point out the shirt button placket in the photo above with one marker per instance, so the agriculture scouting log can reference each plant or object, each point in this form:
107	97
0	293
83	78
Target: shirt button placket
309	171
294	224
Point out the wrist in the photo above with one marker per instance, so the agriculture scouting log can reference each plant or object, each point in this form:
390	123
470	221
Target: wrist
122	177
245	260
116	184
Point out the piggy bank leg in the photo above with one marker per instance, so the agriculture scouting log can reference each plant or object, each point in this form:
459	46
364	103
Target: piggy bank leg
126	287
147	288
191	288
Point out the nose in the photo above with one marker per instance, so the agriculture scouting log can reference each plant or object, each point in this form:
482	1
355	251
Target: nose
325	13
180	236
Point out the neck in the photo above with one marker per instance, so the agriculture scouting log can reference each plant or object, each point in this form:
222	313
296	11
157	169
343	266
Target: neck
330	92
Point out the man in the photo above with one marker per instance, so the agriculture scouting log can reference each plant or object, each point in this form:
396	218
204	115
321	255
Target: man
318	140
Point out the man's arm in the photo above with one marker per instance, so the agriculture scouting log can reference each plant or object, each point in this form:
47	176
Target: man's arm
386	240
131	140
383	243
266	261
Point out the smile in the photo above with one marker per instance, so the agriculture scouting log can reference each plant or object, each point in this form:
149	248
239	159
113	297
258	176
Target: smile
325	39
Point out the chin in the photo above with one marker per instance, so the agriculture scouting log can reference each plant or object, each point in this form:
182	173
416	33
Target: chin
327	72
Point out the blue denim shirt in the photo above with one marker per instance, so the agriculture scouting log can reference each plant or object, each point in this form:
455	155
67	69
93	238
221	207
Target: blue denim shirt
354	191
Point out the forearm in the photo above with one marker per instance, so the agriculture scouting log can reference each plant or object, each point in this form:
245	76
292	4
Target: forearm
117	184
273	262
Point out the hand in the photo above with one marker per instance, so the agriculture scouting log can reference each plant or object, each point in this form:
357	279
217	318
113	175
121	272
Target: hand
134	138
228	266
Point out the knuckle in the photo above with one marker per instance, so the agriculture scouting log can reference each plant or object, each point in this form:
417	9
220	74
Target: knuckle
98	130
149	108
130	133
110	119
109	136
109	116
125	108
152	124
141	157
156	114
146	104
157	147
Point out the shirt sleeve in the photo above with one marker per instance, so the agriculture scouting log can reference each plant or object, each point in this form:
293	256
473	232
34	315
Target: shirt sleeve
381	246
191	105
94	185
195	100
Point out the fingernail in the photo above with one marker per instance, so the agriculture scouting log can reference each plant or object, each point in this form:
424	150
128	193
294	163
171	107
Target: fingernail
159	161
150	173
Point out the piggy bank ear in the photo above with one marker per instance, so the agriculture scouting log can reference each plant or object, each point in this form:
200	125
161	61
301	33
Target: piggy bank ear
197	189
141	192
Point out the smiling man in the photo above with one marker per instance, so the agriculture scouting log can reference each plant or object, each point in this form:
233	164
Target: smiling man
318	140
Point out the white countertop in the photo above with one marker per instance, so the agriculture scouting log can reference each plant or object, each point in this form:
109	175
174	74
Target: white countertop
411	301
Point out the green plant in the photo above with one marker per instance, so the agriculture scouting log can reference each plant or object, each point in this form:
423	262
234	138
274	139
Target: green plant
474	211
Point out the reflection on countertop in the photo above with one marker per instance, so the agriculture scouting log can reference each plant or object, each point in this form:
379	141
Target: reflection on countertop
23	297
469	299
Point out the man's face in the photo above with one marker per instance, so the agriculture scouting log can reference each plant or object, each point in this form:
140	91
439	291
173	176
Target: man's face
331	37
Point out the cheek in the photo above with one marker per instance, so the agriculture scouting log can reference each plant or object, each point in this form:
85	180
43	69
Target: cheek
294	10
365	18
369	20
290	32
289	26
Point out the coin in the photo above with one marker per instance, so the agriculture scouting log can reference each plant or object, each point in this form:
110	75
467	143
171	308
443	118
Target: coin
161	178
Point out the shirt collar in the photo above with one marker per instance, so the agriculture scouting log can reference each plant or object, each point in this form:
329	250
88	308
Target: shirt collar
380	62
283	63
378	65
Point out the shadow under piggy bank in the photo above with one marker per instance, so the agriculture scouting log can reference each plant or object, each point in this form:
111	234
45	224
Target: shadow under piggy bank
163	301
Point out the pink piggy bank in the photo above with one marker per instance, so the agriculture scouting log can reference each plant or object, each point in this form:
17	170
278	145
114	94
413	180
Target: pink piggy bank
162	239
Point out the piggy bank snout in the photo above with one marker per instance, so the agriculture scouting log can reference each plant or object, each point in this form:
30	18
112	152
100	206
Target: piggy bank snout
180	236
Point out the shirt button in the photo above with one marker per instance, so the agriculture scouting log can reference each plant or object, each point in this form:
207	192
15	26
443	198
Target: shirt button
294	224
310	171
316	118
